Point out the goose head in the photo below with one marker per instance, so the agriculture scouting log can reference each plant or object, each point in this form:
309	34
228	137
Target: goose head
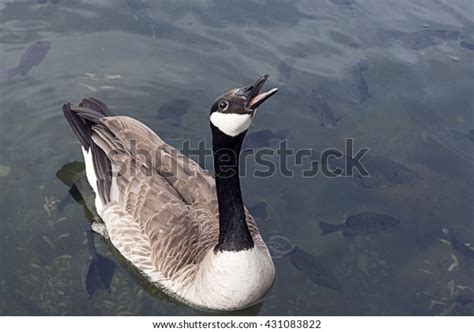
232	113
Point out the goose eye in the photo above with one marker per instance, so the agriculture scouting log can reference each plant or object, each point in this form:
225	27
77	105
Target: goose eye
223	105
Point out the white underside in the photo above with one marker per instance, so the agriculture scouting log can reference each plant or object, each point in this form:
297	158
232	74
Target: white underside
232	280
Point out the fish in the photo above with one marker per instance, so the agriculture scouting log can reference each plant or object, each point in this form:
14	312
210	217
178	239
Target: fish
98	271
360	88
313	269
437	129
343	3
384	172
465	297
259	210
363	223
33	56
263	138
284	68
173	110
322	110
425	38
381	172
417	40
467	45
458	135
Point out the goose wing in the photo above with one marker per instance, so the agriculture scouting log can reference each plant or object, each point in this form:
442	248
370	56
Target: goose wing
165	196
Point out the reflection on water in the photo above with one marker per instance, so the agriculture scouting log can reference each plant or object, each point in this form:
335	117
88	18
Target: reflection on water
400	79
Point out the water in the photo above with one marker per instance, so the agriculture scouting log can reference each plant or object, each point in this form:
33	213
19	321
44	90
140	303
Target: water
138	55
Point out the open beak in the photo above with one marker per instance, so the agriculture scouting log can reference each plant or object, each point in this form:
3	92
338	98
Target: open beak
252	95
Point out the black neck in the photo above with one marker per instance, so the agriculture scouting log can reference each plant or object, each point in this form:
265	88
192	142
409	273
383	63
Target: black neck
234	234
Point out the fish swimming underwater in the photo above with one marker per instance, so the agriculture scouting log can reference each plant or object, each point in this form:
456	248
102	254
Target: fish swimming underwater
381	172
311	266
422	39
313	269
384	172
360	88
264	138
323	112
173	110
361	224
33	56
436	128
416	40
458	135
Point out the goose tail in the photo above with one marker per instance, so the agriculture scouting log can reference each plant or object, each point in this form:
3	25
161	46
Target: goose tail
84	120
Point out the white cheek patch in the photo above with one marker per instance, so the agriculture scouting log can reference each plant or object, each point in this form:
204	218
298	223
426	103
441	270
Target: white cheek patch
231	124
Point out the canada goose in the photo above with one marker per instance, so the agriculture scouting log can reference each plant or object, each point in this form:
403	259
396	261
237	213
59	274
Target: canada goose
188	234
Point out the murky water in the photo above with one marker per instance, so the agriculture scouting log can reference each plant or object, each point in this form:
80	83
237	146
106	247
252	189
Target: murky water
416	86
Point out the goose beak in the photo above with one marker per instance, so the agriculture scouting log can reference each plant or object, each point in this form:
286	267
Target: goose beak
252	95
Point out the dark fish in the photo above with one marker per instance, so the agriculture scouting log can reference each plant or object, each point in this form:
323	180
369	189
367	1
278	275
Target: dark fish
458	135
381	172
361	224
467	45
360	88
173	110
141	14
259	210
98	271
32	57
465	297
343	3
263	138
435	127
284	68
322	110
384	172
422	39
313	269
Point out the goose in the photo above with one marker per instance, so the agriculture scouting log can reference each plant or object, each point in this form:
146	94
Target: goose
185	231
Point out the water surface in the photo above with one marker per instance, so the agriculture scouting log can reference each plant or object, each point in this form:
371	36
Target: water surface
138	55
